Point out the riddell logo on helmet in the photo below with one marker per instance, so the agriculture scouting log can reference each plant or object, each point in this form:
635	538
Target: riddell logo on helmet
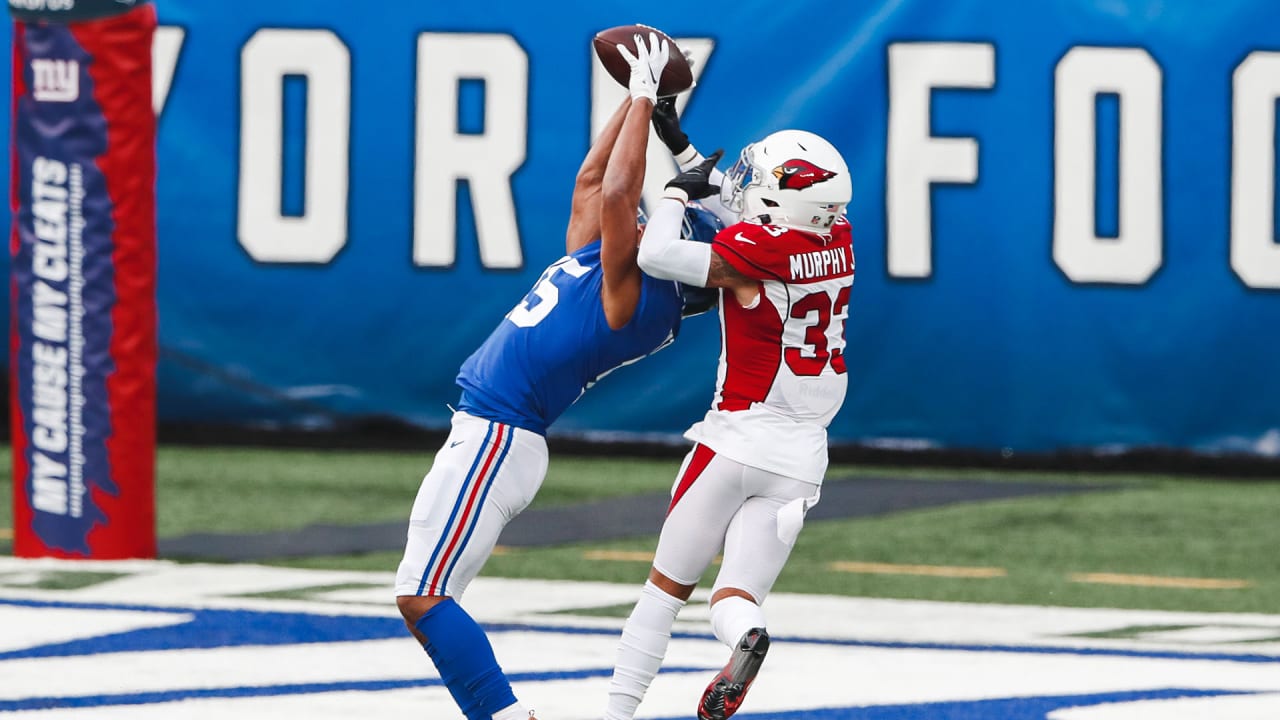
797	174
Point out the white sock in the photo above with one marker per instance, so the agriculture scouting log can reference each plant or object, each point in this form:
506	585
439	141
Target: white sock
644	643
732	617
512	712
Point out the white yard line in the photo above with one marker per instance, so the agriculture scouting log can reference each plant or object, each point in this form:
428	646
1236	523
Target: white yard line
844	652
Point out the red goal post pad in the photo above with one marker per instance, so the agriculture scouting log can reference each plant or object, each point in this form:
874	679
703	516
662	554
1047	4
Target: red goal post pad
82	290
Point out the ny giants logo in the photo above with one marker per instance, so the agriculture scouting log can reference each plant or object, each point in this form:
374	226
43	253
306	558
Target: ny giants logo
55	80
797	174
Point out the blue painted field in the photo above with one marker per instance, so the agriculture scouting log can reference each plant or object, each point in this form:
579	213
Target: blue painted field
145	640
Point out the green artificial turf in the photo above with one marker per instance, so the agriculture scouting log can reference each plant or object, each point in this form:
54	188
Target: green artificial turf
246	489
1146	525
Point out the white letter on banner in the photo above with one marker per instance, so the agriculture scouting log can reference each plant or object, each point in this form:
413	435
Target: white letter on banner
485	160
917	159
1255	256
320	232
1135	255
607	94
166	46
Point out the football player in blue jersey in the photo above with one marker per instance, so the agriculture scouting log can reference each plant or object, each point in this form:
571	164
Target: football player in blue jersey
590	312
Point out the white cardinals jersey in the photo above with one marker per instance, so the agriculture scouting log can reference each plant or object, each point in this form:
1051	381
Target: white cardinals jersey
782	370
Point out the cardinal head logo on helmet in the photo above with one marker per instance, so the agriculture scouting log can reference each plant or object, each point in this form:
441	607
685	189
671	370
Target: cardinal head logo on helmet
798	173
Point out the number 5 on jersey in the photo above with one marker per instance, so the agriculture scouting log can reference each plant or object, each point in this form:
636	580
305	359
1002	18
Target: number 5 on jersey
543	298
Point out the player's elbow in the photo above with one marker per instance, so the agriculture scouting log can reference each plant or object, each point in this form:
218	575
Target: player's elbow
589	179
651	261
655	270
647	258
619	198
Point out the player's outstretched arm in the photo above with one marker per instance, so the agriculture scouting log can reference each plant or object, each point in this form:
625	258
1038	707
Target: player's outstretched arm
666	125
622	185
584	213
664	255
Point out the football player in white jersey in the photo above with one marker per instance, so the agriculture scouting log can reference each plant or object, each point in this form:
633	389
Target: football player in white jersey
784	265
590	312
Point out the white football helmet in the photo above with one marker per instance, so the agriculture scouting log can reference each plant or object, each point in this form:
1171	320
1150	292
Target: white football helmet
794	178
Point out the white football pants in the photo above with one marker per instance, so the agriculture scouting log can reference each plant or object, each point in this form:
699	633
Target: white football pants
484	475
754	514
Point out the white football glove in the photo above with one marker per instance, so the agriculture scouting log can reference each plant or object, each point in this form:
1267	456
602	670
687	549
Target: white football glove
646	66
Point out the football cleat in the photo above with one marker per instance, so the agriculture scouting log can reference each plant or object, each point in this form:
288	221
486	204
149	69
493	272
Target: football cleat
724	695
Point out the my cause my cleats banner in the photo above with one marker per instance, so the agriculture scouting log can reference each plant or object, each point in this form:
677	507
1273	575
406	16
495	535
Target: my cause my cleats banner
82	250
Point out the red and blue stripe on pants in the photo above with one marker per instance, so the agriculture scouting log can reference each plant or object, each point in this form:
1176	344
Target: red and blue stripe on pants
466	509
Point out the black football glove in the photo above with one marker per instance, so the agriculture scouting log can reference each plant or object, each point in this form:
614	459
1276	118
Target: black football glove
667	124
694	181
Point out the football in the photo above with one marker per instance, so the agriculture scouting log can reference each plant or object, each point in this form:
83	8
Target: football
676	77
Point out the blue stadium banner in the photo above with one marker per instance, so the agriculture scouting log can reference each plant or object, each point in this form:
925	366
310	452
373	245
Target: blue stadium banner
1063	211
82	253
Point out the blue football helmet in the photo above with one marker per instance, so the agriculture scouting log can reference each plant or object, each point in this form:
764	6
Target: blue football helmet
700	225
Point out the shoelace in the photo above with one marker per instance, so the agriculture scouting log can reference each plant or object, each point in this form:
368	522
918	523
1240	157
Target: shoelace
713	703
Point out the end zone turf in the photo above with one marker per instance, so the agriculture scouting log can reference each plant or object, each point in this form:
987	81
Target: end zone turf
154	639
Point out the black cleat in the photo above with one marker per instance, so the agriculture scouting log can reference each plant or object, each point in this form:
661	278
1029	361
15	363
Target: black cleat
724	695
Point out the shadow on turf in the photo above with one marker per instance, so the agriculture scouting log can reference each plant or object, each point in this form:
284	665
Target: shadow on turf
611	519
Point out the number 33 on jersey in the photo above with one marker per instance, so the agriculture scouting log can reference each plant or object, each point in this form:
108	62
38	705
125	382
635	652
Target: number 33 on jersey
782	369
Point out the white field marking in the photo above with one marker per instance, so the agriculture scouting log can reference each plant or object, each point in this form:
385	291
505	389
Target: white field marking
949	571
136	672
165	584
885	676
1249	707
1213	635
968	652
27	627
1183	583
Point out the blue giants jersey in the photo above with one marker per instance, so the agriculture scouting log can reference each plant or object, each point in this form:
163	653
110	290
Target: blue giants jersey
556	342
